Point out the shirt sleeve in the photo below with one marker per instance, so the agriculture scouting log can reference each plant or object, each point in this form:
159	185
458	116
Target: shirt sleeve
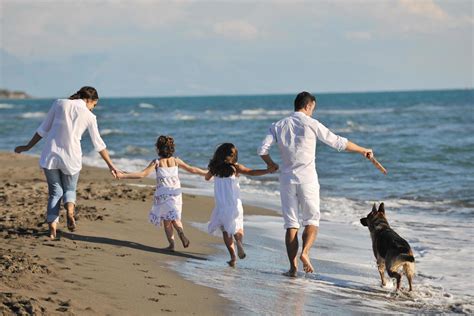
329	138
267	142
97	141
45	127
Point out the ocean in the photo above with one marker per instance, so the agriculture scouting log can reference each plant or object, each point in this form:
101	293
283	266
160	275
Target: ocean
425	140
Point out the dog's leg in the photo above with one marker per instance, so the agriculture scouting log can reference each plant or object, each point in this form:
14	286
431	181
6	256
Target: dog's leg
381	268
396	275
409	269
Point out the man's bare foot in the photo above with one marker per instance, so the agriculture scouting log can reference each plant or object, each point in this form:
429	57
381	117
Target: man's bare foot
71	221
240	250
307	267
183	238
232	262
292	273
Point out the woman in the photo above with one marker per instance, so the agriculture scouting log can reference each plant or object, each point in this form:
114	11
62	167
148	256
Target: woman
61	158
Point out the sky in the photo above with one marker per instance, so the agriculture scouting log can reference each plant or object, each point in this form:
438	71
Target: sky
185	48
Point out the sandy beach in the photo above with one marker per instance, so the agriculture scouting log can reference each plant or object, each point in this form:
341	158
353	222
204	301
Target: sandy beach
112	264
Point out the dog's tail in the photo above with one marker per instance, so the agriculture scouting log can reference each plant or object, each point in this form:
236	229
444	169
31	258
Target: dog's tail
405	257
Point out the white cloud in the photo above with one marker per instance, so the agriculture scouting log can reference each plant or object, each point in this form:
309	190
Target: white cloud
236	29
426	8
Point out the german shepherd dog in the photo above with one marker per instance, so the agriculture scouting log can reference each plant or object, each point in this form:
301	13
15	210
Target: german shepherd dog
390	250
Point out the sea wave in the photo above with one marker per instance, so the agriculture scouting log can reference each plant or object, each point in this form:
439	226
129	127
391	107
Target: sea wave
184	117
355	111
146	106
6	106
32	115
135	150
111	131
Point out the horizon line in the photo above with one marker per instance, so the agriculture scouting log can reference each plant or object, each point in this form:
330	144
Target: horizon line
256	94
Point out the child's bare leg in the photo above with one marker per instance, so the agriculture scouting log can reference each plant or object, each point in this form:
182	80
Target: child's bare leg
169	234
229	242
238	240
179	228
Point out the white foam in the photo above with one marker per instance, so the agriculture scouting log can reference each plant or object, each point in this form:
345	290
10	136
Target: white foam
184	117
32	115
6	106
146	106
111	131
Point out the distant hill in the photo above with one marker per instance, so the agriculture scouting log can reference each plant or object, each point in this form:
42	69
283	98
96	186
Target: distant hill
8	94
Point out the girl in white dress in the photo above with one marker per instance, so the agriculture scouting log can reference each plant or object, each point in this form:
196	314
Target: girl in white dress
228	214
167	200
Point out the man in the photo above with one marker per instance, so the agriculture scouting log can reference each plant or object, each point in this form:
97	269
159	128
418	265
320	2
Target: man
296	137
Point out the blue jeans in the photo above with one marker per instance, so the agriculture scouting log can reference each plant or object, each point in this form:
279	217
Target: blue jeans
61	186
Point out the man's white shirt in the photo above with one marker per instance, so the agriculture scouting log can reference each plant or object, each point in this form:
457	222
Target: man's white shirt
296	137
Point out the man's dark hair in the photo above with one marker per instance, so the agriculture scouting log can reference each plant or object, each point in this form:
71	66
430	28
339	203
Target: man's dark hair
302	99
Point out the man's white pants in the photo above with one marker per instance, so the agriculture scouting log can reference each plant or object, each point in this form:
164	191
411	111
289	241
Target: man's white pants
300	202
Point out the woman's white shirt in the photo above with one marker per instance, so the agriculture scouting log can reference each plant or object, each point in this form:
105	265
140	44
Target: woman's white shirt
62	128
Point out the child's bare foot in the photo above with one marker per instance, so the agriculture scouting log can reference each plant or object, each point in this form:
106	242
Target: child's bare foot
307	267
71	221
232	262
240	250
170	248
292	273
183	238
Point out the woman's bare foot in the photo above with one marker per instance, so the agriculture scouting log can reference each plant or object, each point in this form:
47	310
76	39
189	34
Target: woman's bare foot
240	250
232	262
52	231
183	238
71	221
292	273
307	267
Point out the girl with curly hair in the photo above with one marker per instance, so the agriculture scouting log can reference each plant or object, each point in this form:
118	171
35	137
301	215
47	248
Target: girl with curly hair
167	201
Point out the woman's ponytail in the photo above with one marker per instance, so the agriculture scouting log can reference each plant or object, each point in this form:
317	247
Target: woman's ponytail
88	93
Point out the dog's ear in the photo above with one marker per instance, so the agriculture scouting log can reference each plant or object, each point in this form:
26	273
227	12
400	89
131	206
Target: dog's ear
374	208
382	208
363	221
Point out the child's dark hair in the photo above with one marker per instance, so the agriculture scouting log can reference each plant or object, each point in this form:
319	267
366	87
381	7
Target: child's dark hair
165	146
223	162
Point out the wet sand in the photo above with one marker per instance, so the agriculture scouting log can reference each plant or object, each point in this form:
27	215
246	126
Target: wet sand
114	263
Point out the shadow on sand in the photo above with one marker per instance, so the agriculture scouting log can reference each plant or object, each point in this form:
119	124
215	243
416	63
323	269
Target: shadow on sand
128	244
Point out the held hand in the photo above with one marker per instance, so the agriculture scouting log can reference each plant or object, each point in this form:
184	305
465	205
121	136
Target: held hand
21	149
272	167
114	171
368	153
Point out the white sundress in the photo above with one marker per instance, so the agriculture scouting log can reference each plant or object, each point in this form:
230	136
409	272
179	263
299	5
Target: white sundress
228	213
167	200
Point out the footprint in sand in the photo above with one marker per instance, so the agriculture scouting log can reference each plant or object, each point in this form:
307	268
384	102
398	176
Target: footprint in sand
163	286
153	299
